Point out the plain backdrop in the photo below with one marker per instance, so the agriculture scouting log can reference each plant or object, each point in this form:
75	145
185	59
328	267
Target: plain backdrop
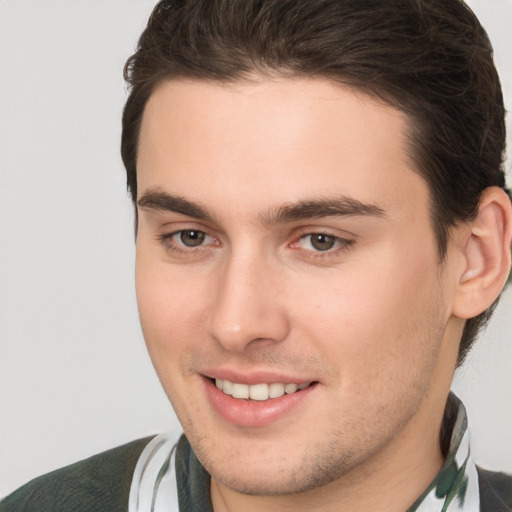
75	378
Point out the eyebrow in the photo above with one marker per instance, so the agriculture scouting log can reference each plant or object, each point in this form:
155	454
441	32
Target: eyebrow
155	199
328	207
162	201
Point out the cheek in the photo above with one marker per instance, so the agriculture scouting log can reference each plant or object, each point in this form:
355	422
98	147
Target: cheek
170	313
376	325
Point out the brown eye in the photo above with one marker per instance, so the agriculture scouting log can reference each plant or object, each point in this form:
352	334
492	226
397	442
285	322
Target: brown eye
322	242
192	238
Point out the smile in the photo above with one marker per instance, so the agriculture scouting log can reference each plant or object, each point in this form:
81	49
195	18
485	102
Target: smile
259	392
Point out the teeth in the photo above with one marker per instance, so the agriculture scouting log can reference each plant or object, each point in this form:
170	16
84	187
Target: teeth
240	391
226	386
259	392
276	390
290	388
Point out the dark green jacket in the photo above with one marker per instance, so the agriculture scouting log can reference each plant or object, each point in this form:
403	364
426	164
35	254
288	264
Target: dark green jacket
98	484
102	484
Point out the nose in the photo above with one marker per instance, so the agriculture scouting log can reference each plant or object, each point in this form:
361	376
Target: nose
249	306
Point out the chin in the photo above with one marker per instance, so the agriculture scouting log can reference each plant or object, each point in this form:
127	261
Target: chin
271	484
276	472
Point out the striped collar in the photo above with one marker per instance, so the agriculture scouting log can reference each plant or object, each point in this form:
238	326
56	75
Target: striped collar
455	488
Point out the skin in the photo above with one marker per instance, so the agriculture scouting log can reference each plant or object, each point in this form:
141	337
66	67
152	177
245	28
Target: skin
370	320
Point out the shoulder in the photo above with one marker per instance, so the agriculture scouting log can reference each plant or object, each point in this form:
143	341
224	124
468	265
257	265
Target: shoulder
495	491
99	483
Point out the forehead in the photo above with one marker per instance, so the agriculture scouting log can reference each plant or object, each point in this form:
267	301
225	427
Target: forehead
272	141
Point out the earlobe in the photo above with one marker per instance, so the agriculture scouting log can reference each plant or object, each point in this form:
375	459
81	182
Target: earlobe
486	252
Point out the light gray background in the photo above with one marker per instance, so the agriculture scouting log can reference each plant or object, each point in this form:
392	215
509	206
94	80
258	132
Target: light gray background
75	378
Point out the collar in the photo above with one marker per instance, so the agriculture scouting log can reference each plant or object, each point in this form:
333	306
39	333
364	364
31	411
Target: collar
168	474
455	488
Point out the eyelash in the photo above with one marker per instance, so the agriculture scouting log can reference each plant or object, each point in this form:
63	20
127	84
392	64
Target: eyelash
167	238
340	244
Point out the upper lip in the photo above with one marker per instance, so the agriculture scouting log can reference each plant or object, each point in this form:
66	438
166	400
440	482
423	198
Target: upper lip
255	376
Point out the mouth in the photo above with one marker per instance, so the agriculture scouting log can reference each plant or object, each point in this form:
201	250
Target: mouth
258	403
259	392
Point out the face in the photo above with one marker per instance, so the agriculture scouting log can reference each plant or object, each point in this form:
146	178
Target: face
288	281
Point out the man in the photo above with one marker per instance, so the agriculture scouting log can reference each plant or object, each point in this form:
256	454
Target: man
322	230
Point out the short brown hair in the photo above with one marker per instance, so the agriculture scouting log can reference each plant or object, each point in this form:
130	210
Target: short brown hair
431	59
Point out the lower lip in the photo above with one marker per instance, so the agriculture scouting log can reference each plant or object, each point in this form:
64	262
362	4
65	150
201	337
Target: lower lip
253	413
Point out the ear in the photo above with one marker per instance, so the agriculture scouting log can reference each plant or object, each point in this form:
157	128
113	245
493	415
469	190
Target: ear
486	247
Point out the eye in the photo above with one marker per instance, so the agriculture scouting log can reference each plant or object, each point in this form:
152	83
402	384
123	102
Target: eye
186	240
322	242
318	241
191	237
